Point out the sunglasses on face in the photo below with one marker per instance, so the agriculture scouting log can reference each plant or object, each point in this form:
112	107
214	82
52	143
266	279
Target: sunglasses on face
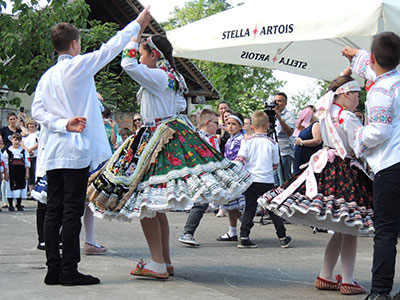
137	120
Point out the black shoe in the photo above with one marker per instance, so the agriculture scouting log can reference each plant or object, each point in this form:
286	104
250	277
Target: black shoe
286	241
20	208
228	238
52	278
41	246
11	208
76	278
397	296
374	296
246	243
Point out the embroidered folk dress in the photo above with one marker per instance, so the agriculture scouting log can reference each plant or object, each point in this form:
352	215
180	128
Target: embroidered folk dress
232	147
15	161
166	165
332	193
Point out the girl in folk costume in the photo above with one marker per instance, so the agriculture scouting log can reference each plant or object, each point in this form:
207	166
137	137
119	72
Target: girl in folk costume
166	165
16	171
234	126
333	192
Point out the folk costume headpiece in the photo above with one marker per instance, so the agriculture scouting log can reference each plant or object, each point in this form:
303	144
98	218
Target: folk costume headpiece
231	116
324	106
351	86
176	81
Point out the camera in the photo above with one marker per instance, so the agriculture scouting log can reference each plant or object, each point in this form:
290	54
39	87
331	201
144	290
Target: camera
269	110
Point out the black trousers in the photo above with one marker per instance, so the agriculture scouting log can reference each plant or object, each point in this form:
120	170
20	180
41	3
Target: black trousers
255	190
40	217
66	194
386	194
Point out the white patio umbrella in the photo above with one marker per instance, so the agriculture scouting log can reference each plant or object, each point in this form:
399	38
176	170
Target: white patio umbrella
303	37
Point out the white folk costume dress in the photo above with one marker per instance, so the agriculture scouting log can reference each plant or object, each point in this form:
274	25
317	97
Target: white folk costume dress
15	161
166	165
333	191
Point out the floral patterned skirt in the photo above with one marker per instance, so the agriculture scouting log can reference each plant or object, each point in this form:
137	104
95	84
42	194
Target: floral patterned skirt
162	168
343	203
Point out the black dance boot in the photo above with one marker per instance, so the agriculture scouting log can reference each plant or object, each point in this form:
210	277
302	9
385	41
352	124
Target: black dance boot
10	204
19	204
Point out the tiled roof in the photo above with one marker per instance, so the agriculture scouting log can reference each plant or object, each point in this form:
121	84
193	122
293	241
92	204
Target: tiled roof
123	11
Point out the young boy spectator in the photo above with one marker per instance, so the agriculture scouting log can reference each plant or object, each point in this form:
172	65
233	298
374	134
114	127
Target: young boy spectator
208	127
16	172
260	156
125	133
379	143
67	107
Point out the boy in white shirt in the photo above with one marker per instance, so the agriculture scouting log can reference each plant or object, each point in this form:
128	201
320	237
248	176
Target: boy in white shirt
260	155
67	107
379	143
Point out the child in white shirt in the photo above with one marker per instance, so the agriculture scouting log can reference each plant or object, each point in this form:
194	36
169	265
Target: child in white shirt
260	156
16	172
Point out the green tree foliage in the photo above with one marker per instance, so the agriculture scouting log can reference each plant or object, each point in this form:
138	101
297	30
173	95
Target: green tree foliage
26	51
244	88
308	97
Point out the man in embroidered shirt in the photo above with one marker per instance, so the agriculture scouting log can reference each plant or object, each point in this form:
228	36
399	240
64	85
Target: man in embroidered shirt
285	125
66	106
379	143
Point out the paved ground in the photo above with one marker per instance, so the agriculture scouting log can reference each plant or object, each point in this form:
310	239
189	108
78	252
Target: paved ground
214	270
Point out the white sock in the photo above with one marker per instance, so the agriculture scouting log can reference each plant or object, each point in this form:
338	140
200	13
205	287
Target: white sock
159	268
232	231
88	220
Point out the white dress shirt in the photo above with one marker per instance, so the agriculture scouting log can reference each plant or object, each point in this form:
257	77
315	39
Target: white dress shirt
260	154
156	99
68	90
379	140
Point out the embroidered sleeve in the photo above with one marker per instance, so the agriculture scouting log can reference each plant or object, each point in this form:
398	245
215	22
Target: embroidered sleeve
361	65
379	126
130	52
358	146
154	80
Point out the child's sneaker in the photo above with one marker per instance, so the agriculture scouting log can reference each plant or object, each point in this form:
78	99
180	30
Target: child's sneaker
188	239
246	243
286	241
